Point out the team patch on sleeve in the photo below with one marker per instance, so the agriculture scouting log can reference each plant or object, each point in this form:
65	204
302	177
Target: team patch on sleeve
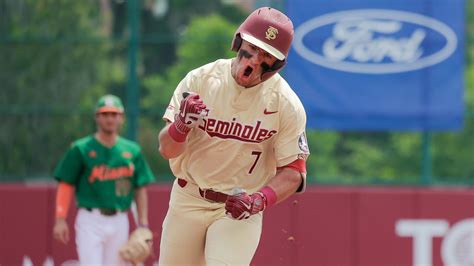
303	156
303	143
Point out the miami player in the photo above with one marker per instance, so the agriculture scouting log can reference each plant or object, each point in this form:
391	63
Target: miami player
235	140
106	173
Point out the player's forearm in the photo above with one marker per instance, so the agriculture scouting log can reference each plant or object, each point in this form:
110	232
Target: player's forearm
285	183
141	198
168	147
64	195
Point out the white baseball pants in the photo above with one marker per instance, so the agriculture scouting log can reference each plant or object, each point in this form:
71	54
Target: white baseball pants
99	237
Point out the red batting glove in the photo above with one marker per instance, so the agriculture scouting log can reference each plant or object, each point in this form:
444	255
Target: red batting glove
190	116
242	205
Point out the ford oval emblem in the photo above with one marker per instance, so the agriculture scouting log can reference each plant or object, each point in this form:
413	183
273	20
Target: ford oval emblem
374	41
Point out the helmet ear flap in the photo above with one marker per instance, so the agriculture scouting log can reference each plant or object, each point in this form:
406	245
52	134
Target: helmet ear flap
277	66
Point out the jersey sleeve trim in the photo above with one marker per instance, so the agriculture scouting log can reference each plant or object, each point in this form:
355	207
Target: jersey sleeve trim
298	165
64	195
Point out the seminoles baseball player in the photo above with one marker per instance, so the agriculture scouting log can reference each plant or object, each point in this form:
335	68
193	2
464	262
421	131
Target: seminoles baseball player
235	140
107	173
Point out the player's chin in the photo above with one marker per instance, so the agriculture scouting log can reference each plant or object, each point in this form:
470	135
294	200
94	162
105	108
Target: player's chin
110	129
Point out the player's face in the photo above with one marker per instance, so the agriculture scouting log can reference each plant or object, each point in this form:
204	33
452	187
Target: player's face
250	63
109	122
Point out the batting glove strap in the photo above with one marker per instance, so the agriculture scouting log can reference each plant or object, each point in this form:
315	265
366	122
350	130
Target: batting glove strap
270	196
178	131
260	197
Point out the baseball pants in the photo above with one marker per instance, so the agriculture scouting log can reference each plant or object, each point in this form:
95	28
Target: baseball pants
197	231
99	237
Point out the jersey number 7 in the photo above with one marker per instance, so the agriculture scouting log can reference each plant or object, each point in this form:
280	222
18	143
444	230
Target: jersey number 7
257	154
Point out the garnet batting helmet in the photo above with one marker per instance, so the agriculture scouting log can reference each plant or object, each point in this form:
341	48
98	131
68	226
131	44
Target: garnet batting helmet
268	29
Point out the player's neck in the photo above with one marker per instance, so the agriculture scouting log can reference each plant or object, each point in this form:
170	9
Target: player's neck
106	139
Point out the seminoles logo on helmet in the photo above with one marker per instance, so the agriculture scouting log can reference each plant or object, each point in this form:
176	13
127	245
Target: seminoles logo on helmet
271	33
267	28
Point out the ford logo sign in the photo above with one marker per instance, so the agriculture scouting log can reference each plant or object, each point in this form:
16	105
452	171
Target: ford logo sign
374	41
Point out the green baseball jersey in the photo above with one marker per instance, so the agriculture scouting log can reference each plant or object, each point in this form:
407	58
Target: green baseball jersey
104	177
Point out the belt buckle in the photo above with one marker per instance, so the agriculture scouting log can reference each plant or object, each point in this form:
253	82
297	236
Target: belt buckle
108	212
204	192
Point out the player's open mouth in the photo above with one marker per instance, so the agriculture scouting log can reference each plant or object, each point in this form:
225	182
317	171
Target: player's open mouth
248	71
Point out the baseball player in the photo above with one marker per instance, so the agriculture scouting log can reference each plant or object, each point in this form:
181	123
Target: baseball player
106	173
235	140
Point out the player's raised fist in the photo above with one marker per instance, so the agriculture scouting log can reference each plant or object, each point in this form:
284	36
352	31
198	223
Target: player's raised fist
241	206
191	112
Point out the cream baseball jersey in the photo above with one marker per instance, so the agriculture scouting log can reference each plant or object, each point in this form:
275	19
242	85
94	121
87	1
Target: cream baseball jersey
247	132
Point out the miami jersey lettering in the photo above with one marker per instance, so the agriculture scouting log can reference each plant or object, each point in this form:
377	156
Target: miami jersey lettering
104	172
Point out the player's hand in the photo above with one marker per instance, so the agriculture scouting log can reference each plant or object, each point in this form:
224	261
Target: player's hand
191	112
61	230
241	206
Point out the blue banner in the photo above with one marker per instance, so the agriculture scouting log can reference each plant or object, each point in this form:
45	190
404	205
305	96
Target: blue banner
378	64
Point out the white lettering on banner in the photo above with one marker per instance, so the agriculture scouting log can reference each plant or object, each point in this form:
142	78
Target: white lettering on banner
422	232
47	262
355	39
457	247
458	244
370	41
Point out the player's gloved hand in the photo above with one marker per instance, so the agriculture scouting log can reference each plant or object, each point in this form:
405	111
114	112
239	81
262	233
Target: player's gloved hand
242	205
138	247
191	113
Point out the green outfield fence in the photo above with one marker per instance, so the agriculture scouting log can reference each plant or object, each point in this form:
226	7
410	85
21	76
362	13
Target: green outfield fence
58	57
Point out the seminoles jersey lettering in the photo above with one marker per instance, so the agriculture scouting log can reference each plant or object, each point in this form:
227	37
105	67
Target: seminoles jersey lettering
246	134
236	130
